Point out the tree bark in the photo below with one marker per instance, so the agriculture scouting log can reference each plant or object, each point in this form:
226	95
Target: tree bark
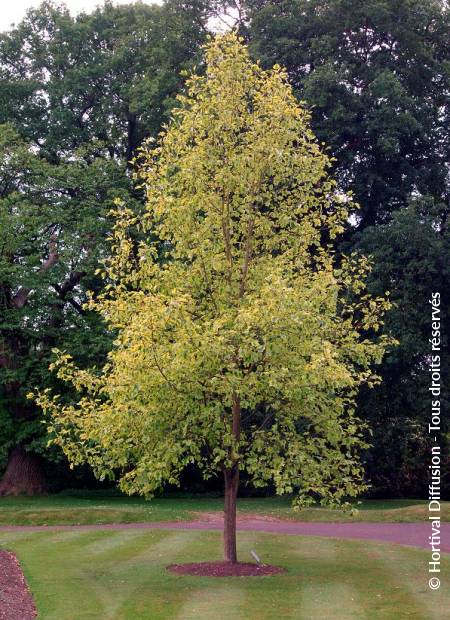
131	137
21	297
231	475
23	475
229	532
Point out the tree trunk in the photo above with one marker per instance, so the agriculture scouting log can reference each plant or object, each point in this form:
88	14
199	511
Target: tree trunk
23	474
131	137
231	475
229	530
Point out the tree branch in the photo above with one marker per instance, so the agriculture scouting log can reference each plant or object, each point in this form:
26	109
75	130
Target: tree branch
21	297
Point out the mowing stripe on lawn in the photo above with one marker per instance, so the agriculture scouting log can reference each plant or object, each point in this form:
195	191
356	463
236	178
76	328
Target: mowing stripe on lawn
6	538
262	594
111	542
361	593
221	601
107	581
165	601
431	603
152	556
64	537
320	584
254	541
227	598
382	590
320	601
121	575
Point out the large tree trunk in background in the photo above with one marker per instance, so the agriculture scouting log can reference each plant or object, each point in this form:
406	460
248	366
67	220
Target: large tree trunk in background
229	525
23	474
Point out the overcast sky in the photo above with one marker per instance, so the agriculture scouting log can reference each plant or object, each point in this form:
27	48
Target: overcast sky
12	11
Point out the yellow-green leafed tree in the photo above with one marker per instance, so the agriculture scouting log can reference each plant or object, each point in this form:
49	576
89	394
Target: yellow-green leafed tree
240	346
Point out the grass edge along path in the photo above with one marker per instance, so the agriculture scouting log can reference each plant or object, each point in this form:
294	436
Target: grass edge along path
91	508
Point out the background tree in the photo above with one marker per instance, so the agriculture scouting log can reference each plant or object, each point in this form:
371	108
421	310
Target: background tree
243	349
77	96
53	232
110	76
411	257
376	78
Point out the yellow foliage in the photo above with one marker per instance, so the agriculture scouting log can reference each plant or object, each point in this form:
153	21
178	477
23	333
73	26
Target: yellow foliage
235	298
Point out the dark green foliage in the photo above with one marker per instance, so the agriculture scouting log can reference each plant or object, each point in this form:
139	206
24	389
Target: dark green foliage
411	259
54	225
107	79
376	75
77	97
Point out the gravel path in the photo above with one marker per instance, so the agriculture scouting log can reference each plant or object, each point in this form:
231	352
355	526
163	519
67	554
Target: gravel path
16	602
411	534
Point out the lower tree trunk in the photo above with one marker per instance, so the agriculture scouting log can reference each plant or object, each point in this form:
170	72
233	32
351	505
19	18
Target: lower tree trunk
23	475
229	531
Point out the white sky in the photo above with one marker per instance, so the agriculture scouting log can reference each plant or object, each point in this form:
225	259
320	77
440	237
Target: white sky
13	11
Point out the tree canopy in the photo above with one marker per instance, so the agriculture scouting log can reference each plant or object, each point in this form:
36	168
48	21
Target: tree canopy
79	95
109	77
241	345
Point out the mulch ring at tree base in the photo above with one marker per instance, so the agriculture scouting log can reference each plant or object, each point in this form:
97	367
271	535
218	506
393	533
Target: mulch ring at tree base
225	569
16	602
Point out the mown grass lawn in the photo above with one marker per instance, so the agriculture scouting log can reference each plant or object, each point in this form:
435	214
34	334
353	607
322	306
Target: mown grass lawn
121	575
97	508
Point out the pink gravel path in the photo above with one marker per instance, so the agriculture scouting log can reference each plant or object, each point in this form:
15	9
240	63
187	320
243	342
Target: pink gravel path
16	602
410	534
